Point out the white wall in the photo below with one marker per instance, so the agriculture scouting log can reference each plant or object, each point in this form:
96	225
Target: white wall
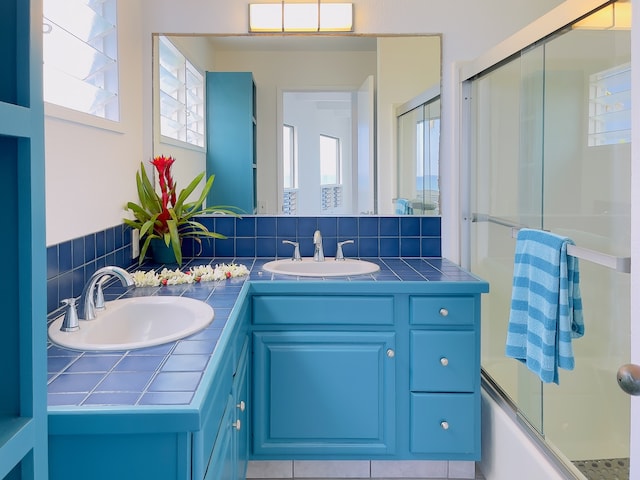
90	165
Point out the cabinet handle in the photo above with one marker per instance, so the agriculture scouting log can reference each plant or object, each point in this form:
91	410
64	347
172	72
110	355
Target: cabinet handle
237	424
444	361
444	424
391	353
241	405
444	312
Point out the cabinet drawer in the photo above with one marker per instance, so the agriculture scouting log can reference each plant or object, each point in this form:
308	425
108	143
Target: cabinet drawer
323	310
445	424
443	361
442	310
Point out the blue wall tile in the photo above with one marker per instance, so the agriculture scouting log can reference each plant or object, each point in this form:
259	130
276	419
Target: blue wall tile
410	226
224	225
368	247
368	227
89	248
389	226
266	226
389	247
431	247
70	263
52	261
246	227
308	225
287	227
245	247
347	227
431	226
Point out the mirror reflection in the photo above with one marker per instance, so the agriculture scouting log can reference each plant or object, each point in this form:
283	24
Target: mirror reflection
325	113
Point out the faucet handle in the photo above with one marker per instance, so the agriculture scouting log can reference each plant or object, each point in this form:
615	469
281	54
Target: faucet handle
296	250
70	322
100	294
339	253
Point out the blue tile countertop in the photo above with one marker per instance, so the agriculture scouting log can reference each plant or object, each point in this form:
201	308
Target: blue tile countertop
169	374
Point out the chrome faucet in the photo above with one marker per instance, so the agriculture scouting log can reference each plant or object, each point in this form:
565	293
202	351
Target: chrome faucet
318	252
87	307
339	252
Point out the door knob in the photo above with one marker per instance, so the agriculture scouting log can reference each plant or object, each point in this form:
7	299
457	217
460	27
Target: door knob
629	378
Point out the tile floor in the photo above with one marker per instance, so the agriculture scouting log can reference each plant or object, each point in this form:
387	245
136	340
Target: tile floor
382	471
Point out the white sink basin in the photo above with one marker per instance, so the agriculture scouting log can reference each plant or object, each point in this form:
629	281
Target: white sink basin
307	267
135	323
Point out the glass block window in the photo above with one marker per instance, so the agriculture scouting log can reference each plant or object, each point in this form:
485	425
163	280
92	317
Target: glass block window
181	96
80	47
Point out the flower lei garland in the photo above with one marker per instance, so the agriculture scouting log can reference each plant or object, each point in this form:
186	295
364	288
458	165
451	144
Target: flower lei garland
202	273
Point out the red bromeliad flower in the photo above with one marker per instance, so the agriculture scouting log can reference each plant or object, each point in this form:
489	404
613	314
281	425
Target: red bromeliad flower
167	188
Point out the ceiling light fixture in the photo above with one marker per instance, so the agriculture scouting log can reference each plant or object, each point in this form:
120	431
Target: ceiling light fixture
301	17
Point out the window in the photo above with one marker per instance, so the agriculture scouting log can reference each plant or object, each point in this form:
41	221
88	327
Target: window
181	96
329	160
610	106
80	47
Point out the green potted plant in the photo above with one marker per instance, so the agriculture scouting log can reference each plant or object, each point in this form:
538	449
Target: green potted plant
165	218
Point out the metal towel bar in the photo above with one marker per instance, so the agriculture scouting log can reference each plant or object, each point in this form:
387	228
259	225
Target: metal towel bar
619	264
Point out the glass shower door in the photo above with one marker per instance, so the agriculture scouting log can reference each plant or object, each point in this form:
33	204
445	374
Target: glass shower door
587	197
550	150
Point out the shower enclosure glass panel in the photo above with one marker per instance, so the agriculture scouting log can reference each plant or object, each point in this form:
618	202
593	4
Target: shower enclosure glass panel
550	150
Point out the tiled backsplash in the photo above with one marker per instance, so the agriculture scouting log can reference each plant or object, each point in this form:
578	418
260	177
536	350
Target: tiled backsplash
71	263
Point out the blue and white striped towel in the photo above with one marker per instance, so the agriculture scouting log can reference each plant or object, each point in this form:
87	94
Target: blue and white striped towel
546	306
403	207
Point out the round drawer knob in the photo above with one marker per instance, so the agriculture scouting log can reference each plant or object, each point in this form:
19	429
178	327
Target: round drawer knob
391	353
241	405
444	361
237	424
444	312
444	425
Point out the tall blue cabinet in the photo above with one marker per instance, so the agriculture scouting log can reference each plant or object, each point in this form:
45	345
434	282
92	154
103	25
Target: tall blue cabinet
231	139
23	410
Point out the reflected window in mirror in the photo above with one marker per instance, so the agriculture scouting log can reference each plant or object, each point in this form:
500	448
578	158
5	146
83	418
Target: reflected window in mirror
182	108
290	170
330	174
419	159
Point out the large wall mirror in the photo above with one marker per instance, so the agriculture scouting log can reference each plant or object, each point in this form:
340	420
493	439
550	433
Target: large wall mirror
325	108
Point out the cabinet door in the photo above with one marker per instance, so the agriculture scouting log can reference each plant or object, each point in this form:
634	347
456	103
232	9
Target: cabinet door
222	464
241	425
323	393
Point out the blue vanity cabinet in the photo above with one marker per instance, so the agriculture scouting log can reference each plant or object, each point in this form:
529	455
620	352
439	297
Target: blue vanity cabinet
231	139
324	382
366	371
